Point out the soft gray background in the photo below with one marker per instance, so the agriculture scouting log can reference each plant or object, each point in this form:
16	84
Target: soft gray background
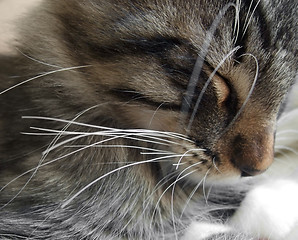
9	11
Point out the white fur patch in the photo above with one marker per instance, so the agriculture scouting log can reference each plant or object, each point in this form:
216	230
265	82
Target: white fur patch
198	231
270	210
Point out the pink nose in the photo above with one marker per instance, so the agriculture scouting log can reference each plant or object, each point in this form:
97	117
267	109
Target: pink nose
252	156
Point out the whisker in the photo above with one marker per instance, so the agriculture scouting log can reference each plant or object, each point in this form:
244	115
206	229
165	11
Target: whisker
190	197
106	134
173	190
161	183
83	148
57	159
111	172
102	133
148	131
177	179
204	189
214	164
161	224
251	15
153	115
126	162
40	162
236	29
38	61
91	145
176	164
155	151
110	139
43	75
248	12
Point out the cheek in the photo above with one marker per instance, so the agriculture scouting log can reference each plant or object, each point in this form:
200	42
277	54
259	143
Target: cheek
144	118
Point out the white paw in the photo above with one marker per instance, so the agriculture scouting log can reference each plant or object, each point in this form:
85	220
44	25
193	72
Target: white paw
270	211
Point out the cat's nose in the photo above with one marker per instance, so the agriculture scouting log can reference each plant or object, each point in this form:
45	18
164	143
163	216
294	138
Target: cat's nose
248	172
252	156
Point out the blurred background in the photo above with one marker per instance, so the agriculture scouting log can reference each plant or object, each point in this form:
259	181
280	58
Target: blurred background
10	10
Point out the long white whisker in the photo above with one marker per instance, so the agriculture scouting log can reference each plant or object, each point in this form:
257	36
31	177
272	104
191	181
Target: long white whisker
237	21
161	224
57	159
153	115
111	172
38	61
107	133
246	27
154	151
172	195
161	183
43	75
248	12
214	164
102	133
177	179
190	197
106	140
41	160
163	133
83	148
204	189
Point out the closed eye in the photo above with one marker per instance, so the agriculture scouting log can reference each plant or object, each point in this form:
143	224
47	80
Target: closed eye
221	88
220	85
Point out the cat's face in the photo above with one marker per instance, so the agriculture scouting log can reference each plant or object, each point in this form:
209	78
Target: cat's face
207	71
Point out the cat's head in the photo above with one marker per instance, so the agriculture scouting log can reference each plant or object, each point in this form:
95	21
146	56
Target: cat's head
215	72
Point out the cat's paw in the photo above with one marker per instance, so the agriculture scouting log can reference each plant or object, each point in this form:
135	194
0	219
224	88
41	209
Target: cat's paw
269	211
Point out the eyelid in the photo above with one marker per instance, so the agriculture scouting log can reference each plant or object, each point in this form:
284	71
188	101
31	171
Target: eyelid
220	85
222	89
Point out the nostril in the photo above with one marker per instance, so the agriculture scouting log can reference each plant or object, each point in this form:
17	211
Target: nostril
251	156
248	172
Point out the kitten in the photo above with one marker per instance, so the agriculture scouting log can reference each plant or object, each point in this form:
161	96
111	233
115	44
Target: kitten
126	120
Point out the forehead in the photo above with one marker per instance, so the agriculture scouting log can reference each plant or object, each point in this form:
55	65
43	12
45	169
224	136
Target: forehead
188	20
